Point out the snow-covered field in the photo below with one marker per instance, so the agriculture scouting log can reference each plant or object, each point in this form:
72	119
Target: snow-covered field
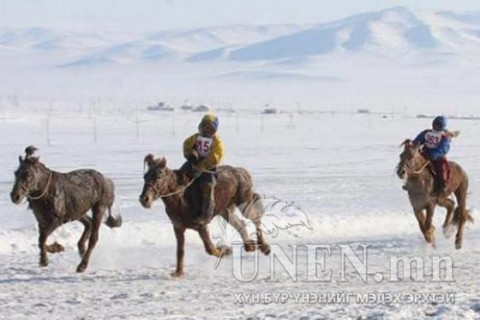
337	168
80	93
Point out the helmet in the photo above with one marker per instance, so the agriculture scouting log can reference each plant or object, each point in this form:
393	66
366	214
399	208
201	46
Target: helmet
439	123
209	118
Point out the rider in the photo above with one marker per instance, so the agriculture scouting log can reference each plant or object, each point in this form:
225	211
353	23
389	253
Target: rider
436	144
204	151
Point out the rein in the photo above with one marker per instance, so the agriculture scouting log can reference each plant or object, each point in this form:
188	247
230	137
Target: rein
421	169
182	189
44	191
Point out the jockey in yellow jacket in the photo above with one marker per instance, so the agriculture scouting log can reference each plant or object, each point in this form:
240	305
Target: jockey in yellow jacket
204	152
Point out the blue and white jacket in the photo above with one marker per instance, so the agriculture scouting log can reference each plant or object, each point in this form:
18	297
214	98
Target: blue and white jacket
436	143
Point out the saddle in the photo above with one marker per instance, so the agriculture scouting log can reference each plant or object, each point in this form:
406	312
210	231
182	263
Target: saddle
439	183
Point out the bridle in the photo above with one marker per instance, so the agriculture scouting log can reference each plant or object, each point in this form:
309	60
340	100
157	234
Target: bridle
416	172
158	194
420	170
43	193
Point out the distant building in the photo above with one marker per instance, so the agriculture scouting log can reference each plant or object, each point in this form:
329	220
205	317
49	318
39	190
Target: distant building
161	106
363	111
202	108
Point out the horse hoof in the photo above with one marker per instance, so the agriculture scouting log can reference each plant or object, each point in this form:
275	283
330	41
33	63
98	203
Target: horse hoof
177	274
223	251
81	267
249	247
448	231
56	247
430	235
227	251
458	245
265	248
43	263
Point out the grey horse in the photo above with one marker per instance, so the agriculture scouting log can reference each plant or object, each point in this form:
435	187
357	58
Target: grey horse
57	198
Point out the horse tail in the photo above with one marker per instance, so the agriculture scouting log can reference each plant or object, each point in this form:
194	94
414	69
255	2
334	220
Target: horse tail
113	222
461	194
258	203
457	215
469	217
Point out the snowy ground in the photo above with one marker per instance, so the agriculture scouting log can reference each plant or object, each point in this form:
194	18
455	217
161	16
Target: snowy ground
339	169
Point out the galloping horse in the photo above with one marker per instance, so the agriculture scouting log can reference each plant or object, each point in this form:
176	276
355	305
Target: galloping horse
420	183
182	203
57	198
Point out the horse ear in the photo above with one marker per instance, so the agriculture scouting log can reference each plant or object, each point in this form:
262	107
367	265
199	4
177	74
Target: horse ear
20	159
149	160
163	162
407	143
29	151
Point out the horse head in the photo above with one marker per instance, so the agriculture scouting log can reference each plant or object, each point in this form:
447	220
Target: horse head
154	180
408	158
29	177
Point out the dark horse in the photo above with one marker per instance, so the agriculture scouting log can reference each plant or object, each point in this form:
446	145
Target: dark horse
182	202
420	183
57	198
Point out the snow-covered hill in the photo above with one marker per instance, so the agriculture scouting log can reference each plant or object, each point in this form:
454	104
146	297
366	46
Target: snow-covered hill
389	31
380	56
396	30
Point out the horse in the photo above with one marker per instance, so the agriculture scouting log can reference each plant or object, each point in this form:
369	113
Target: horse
182	203
57	198
420	185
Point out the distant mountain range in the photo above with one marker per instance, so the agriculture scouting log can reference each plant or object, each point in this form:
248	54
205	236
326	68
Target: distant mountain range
396	56
393	31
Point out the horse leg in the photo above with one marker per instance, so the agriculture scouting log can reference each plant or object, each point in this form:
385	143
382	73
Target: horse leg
209	247
97	215
421	219
241	228
264	247
447	224
44	232
180	235
87	223
254	212
461	214
429	228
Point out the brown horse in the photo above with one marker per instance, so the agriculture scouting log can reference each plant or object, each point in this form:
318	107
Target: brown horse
182	202
57	198
420	183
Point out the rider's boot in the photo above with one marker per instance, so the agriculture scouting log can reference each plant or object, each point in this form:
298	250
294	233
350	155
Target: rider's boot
208	202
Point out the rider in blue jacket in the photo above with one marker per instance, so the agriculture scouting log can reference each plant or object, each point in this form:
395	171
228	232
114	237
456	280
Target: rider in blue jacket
436	143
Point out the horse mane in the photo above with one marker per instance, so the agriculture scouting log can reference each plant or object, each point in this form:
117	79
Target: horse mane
406	143
151	161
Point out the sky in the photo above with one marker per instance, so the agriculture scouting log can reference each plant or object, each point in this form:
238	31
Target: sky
188	14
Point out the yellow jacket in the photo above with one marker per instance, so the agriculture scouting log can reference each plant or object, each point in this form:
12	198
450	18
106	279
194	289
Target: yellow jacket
208	161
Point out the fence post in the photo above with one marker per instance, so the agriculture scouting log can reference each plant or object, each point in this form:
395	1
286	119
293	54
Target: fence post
137	126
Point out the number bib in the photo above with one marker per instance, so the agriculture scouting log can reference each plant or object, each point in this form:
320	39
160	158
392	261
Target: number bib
203	145
433	138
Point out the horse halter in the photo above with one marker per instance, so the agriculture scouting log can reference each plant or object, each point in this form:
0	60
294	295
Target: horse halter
409	171
43	193
419	170
159	195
